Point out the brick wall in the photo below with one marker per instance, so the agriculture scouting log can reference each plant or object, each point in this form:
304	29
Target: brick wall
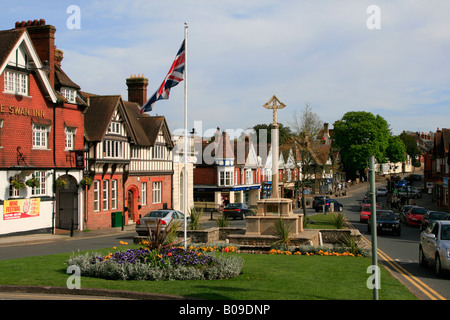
205	175
17	113
102	219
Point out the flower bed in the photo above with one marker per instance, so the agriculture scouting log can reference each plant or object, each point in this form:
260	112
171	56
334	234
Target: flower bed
169	263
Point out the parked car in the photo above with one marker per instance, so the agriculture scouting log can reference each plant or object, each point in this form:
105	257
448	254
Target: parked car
386	222
402	183
414	216
431	216
382	192
410	192
404	210
317	199
161	217
434	247
337	206
237	210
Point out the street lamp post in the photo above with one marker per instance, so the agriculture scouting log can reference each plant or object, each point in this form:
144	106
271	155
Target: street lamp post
373	226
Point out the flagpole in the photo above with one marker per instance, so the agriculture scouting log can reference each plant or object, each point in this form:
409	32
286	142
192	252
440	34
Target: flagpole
185	193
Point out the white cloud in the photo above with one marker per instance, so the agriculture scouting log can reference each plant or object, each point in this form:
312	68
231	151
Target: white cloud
243	52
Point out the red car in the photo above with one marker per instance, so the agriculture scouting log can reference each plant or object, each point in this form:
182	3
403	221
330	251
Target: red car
365	212
414	216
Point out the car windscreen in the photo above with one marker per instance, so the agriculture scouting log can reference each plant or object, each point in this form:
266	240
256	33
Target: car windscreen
157	214
420	211
386	216
438	215
233	205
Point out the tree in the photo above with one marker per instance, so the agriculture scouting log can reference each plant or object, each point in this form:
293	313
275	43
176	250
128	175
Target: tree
306	123
411	144
283	133
358	135
396	150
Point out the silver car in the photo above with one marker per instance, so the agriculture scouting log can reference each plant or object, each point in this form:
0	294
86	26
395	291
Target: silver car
434	246
161	217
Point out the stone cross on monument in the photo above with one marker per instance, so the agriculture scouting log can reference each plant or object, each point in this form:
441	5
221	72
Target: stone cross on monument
274	104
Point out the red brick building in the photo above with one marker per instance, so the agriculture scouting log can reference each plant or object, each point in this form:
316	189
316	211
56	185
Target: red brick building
437	168
41	133
129	158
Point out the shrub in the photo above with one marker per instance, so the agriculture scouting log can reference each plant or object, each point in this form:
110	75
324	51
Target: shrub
282	232
222	221
167	264
339	220
194	222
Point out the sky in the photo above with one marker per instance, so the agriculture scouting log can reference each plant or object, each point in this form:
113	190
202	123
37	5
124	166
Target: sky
385	57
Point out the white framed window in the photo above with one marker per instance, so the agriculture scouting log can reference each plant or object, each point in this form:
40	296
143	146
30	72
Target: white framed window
41	190
113	194
40	136
70	137
96	195
105	194
144	193
249	176
159	152
225	178
69	93
114	127
157	192
16	82
112	149
135	152
13	192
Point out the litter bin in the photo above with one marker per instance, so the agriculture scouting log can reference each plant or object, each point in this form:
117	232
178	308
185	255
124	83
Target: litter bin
116	219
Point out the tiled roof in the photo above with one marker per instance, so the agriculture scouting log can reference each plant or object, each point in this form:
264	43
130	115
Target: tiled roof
98	115
142	128
8	39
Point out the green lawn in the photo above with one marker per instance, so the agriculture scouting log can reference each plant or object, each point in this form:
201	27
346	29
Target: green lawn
321	221
264	277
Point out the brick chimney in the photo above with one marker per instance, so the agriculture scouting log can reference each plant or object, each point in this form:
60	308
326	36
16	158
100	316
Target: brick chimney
137	89
43	37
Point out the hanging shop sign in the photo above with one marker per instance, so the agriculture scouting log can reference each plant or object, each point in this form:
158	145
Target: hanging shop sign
21	208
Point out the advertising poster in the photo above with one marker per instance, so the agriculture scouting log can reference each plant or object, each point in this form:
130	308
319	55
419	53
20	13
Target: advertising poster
21	208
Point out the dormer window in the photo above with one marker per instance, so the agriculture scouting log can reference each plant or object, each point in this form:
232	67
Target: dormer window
69	93
16	82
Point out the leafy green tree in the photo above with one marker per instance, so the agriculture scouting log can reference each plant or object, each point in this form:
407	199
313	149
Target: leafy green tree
396	150
284	133
410	144
358	135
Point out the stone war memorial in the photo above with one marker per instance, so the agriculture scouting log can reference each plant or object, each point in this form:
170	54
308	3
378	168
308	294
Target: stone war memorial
260	229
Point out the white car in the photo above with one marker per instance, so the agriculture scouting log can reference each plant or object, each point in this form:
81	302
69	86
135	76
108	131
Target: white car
434	246
382	192
161	217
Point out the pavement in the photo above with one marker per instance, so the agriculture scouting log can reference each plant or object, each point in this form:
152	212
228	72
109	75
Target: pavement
61	235
77	234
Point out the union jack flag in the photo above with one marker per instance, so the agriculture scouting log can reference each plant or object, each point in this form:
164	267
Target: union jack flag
174	77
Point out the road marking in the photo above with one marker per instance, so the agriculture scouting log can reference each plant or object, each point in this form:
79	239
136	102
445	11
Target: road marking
433	295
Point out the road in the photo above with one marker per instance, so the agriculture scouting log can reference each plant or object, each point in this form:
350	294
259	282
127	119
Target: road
400	254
